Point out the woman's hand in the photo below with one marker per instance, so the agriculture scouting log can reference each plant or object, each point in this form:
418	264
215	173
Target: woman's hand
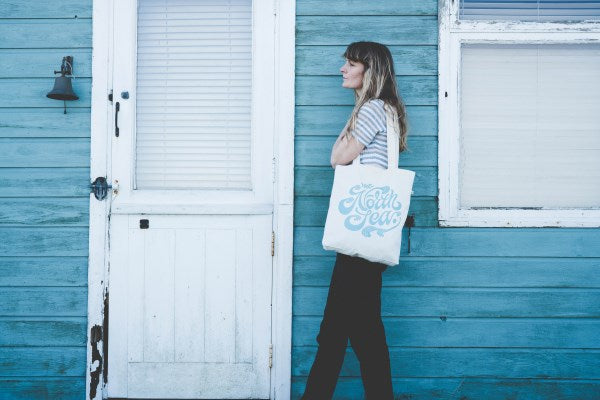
345	150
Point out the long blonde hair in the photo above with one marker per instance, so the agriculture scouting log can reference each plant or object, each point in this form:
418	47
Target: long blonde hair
379	82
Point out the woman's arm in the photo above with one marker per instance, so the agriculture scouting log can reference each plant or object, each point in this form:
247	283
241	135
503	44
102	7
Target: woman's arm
345	150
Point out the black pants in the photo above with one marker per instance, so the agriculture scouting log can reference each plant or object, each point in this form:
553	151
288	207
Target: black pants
353	311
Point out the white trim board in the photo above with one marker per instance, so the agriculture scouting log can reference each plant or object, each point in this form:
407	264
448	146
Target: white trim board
452	33
101	131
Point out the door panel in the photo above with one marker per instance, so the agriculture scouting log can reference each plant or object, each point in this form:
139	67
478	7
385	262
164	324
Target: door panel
194	293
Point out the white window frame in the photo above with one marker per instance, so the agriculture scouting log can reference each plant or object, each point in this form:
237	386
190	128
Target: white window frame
452	34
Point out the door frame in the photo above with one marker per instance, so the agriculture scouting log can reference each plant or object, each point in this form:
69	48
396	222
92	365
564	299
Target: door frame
97	365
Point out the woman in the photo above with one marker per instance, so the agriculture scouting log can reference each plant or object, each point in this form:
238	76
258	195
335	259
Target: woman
353	309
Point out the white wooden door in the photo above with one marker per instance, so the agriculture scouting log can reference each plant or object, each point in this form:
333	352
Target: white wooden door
190	262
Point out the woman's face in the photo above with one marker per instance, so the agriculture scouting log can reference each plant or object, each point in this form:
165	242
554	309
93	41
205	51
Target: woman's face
352	74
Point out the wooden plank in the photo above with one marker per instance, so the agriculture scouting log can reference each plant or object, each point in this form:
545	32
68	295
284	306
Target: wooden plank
159	303
466	302
564	333
43	301
44	122
43	332
43	271
327	60
389	30
467	272
312	211
465	388
63	388
482	242
41	211
317	181
329	120
316	151
37	88
47	241
359	7
44	182
45	152
32	361
472	362
41	63
328	90
42	9
46	33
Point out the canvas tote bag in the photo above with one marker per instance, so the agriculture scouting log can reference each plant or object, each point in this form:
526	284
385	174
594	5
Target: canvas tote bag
369	205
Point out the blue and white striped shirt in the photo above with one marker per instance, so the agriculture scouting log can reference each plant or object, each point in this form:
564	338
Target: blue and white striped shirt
371	130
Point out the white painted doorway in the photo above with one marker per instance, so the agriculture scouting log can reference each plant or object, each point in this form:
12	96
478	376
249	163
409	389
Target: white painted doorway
191	222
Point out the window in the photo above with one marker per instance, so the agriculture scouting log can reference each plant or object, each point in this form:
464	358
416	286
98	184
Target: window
194	87
519	127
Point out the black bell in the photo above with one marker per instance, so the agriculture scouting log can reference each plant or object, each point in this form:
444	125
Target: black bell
63	90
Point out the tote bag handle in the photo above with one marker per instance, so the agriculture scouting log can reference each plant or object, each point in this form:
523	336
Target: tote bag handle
393	138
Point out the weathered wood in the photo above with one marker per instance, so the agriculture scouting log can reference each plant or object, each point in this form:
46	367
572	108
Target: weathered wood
328	90
567	333
467	388
45	211
482	242
32	361
47	241
43	271
360	7
45	152
46	9
316	151
46	33
389	30
44	122
317	181
327	60
472	362
63	388
466	302
41	63
312	210
43	301
329	120
44	332
37	88
513	272
45	182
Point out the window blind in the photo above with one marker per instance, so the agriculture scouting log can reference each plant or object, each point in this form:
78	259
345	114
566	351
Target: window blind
194	74
530	127
532	10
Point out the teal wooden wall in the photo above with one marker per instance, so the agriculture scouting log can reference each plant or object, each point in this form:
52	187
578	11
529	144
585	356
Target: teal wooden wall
44	170
470	313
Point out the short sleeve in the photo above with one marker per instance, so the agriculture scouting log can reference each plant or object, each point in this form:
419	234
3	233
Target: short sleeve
370	121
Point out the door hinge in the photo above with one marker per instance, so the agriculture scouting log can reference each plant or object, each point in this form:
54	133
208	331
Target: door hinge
272	243
271	355
273	169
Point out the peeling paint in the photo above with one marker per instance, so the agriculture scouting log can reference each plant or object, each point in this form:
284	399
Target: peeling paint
96	367
105	342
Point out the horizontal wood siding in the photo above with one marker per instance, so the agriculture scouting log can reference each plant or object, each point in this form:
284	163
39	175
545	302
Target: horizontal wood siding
44	196
470	313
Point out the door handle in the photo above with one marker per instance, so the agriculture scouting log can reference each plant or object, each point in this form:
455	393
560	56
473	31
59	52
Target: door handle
117	107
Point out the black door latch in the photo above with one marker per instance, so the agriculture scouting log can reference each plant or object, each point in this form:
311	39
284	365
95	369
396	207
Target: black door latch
100	188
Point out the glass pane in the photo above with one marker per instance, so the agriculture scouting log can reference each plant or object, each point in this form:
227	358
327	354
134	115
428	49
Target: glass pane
194	92
529	126
533	10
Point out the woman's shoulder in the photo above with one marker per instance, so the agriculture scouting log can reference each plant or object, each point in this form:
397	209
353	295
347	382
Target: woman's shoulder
374	109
